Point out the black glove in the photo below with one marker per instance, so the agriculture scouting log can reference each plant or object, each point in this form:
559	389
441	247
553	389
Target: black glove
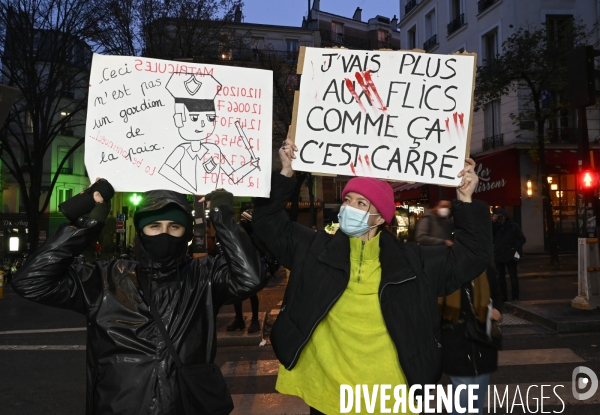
83	209
219	197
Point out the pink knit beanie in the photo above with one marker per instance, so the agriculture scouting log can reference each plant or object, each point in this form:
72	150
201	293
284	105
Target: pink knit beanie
378	192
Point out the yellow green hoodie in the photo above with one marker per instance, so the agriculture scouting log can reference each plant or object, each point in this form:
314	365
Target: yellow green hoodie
350	345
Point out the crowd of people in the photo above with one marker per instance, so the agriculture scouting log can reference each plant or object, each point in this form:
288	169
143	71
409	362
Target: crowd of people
424	306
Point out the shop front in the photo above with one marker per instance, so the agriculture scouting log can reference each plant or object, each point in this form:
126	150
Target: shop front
14	231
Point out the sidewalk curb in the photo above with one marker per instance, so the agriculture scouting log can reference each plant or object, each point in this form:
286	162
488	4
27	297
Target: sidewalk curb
554	315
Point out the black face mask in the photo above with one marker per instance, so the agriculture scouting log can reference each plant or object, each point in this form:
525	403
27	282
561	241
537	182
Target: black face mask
163	247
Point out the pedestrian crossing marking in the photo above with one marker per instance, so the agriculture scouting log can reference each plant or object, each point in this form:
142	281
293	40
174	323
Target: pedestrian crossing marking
537	357
250	368
43	347
505	358
268	404
43	331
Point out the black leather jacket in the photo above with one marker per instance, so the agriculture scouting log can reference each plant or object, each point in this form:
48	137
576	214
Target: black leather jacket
129	369
412	277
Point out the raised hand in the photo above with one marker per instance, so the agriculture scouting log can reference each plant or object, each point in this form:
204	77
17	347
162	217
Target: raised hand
287	153
469	181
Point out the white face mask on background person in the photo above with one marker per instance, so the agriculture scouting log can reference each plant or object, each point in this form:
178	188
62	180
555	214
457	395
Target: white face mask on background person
443	212
355	222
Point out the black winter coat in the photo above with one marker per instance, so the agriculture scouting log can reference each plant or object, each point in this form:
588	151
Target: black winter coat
129	369
412	278
508	239
464	357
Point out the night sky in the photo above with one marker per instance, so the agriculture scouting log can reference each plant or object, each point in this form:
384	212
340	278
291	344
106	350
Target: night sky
290	12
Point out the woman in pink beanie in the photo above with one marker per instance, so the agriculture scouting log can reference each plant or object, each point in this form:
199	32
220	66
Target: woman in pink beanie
361	307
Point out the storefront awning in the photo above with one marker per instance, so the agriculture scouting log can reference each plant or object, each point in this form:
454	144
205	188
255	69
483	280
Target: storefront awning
499	178
408	191
569	158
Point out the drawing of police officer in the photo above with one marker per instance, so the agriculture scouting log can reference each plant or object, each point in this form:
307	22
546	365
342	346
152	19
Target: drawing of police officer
192	162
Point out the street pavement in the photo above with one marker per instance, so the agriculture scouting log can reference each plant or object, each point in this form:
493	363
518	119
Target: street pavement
42	355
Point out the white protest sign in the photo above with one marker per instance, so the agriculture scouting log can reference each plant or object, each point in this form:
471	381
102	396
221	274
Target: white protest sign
396	115
188	127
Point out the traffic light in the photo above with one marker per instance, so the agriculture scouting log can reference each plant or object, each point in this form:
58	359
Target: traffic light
588	180
135	199
582	76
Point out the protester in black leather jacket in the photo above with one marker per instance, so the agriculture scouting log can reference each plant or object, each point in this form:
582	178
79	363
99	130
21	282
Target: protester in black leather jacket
129	369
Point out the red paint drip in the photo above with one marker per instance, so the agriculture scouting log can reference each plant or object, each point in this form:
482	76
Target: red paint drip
448	124
359	159
455	115
354	94
352	167
367	75
363	85
367	160
461	117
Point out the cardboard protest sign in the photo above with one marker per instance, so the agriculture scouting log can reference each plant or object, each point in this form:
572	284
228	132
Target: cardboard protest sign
397	115
188	127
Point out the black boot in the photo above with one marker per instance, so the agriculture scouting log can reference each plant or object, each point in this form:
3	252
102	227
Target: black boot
254	326
237	324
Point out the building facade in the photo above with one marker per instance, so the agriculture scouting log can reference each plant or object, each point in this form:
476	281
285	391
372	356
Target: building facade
499	144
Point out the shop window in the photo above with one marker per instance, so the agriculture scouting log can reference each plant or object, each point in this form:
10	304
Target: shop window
563	196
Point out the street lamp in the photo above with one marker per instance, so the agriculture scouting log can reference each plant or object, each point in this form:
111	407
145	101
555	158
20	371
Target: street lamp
529	188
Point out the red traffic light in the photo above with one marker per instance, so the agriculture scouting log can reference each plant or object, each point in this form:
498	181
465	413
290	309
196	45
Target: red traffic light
588	179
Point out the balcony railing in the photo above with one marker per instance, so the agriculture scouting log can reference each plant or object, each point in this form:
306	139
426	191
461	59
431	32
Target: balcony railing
352	42
455	24
493	142
563	135
66	170
430	43
384	45
409	6
484	4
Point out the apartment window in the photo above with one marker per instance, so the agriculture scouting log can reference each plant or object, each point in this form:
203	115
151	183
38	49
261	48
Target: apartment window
67	168
490	46
24	165
430	31
382	39
430	24
411	38
455	9
457	16
258	43
292	45
337	32
28	122
491	118
559	28
63	195
67	127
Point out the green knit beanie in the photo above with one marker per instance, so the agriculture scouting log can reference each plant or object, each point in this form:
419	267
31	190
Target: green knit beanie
170	212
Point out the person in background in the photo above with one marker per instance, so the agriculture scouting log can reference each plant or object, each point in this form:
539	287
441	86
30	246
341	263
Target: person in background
360	306
97	250
239	323
508	248
434	228
130	369
468	360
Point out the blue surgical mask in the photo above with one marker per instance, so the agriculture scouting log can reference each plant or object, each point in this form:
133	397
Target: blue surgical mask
354	222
